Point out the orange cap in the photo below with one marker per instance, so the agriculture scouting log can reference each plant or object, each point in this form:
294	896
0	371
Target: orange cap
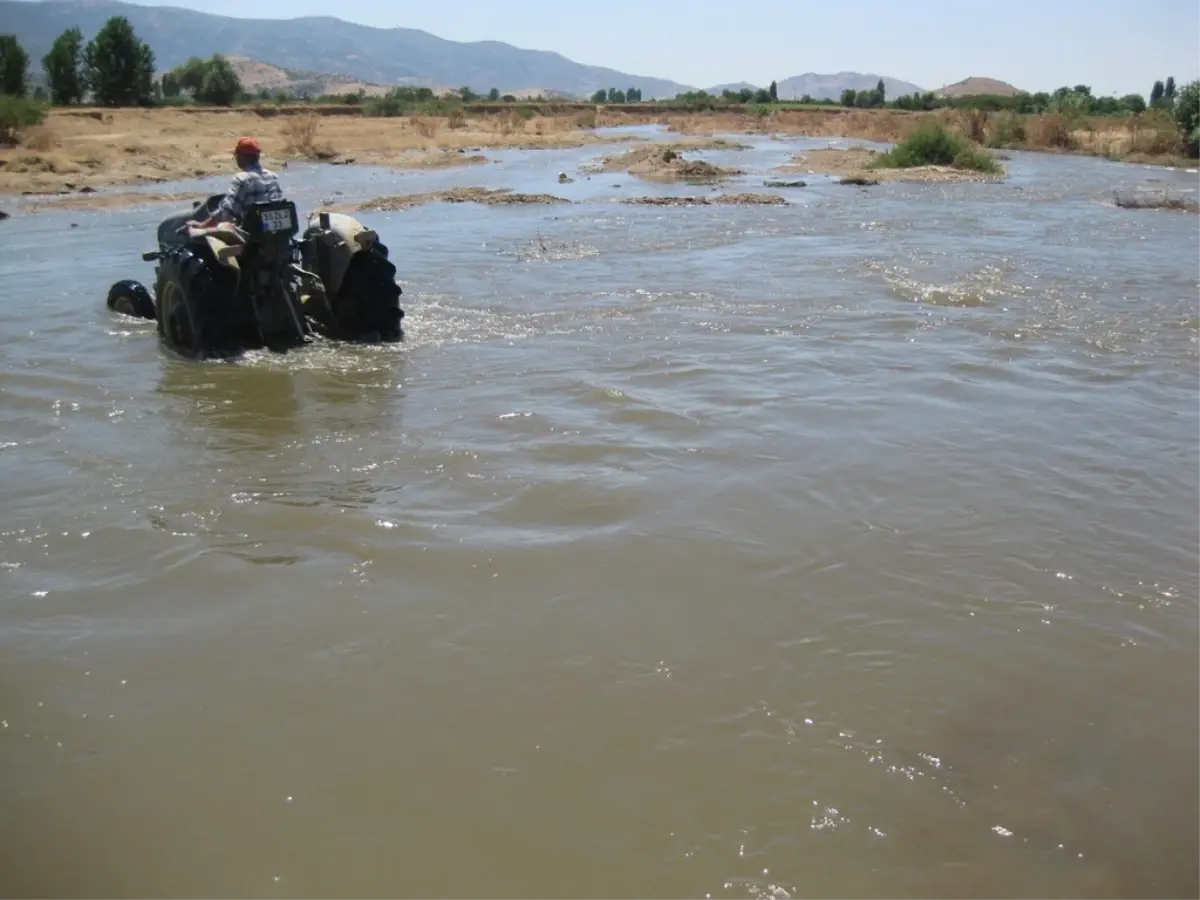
247	145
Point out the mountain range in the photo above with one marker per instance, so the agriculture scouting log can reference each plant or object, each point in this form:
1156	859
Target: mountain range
323	44
346	53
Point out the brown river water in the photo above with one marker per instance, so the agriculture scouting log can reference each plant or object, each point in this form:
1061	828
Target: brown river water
844	548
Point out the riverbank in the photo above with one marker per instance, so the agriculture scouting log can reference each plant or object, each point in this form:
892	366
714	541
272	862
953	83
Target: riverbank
94	149
1150	139
85	149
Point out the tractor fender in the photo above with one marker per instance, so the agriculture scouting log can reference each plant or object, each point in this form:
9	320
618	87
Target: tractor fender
346	237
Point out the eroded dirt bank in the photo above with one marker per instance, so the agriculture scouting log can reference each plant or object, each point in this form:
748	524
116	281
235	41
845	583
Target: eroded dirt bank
853	165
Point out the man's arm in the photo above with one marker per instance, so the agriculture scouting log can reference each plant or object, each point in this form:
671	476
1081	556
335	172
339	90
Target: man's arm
230	203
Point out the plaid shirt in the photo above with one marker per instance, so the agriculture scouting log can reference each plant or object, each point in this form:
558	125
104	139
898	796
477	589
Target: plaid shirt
253	184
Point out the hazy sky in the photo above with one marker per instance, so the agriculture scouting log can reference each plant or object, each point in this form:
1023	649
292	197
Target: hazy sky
1113	45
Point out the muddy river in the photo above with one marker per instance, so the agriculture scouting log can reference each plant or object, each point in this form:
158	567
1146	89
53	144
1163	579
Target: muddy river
846	547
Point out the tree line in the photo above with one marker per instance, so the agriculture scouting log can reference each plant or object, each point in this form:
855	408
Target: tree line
115	68
614	95
1077	100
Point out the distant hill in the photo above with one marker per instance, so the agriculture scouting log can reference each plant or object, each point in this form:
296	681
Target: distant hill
975	85
735	88
830	87
384	56
256	75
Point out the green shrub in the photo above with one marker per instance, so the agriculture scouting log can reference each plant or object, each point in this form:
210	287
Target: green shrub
408	101
17	113
933	144
1187	117
973	160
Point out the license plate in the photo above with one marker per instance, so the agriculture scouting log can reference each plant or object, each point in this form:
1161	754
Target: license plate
276	220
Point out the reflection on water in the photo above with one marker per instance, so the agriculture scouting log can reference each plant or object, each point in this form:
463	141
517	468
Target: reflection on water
846	548
233	407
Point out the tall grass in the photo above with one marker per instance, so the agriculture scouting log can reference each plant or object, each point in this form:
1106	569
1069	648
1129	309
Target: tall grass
1006	130
39	138
933	144
427	126
300	135
1155	134
1051	131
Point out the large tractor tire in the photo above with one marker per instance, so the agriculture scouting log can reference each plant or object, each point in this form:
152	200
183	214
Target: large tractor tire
130	298
367	305
188	295
361	299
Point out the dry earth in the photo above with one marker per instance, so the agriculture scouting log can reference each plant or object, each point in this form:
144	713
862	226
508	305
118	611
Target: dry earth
666	161
107	148
486	196
507	197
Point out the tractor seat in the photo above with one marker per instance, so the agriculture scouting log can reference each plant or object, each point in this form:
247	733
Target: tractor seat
225	239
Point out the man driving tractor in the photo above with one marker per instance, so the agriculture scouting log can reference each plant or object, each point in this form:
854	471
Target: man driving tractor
253	184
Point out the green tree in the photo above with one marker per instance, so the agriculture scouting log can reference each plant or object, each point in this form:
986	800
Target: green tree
773	90
172	88
220	85
494	95
119	66
849	96
1169	91
14	63
600	96
190	75
64	68
1135	103
211	81
1187	117
619	97
1156	94
762	95
880	93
